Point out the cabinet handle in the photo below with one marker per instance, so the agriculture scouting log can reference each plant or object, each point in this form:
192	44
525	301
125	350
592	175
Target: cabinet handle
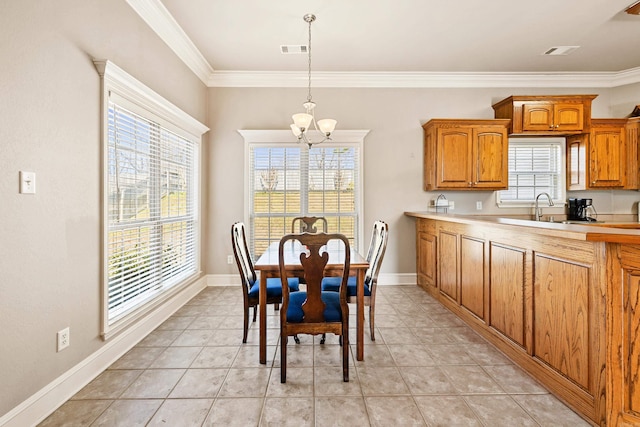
551	126
557	126
470	183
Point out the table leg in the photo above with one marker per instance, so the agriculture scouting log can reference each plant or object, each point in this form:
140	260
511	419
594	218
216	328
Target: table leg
360	315
262	299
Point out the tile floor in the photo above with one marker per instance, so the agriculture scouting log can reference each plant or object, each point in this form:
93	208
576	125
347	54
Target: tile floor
426	368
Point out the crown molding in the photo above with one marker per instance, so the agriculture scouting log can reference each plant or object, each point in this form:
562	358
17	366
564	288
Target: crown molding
424	79
155	14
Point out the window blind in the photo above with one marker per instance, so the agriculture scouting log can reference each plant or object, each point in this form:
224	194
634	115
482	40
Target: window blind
534	168
151	212
286	181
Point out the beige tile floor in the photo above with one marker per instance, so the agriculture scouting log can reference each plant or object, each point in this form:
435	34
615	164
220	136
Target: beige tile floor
426	368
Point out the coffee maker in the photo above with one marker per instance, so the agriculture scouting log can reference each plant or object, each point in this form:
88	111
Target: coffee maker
578	210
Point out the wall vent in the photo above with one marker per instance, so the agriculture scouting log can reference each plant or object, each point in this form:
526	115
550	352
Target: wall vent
560	50
293	48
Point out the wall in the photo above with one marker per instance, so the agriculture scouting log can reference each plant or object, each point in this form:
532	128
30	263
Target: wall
50	124
392	153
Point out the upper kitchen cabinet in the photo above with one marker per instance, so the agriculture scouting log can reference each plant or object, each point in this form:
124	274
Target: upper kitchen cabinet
603	158
546	115
465	154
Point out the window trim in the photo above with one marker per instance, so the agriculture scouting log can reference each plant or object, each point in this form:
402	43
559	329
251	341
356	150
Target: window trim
118	83
560	201
285	137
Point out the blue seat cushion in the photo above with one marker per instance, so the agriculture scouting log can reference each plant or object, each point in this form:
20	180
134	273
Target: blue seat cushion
332	312
274	287
332	284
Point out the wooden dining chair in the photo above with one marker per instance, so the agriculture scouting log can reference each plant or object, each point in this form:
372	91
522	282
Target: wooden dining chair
375	254
313	311
308	224
249	279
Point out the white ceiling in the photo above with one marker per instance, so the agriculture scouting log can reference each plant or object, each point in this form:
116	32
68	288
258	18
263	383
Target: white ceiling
411	39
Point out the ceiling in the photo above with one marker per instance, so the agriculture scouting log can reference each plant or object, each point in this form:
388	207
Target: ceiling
239	40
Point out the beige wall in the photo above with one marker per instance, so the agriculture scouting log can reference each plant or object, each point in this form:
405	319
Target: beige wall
50	124
392	153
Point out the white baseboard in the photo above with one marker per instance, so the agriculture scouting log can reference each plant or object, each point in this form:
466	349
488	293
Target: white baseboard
48	399
383	279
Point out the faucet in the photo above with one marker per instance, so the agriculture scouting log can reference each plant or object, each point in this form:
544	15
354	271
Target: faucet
538	210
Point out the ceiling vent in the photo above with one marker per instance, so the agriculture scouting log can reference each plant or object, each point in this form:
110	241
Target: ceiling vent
293	48
560	50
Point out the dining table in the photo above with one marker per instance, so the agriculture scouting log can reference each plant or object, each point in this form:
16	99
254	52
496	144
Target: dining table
268	264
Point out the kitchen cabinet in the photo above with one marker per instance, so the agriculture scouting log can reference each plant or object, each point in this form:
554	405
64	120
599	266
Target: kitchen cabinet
546	115
426	255
465	154
602	158
541	299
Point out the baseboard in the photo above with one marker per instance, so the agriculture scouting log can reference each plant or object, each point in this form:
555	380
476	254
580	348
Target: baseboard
383	279
48	399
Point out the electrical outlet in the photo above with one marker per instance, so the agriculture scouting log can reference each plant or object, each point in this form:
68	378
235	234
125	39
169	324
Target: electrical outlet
479	205
63	339
229	259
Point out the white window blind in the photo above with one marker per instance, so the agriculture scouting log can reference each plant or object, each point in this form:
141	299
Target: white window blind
534	167
151	210
290	180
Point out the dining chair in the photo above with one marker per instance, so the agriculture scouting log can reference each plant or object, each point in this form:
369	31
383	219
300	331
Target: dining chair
375	254
308	224
313	311
249	279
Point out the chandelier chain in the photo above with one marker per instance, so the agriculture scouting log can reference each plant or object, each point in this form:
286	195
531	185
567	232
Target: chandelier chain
309	65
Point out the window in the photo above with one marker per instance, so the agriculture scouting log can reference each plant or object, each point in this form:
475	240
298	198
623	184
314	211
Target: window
535	166
151	204
287	179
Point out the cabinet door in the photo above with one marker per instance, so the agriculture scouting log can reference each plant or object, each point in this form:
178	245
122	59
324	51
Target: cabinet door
448	264
537	116
561	310
607	157
453	157
472	275
507	292
490	157
426	262
568	117
577	162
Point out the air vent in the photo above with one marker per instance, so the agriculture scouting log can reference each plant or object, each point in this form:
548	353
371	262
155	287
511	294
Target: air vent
560	50
293	48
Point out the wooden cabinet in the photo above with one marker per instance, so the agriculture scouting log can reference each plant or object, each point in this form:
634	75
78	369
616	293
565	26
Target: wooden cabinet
546	115
623	336
426	255
508	292
539	299
463	154
472	278
602	158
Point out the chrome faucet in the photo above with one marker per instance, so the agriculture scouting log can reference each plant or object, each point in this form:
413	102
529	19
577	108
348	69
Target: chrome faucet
538	210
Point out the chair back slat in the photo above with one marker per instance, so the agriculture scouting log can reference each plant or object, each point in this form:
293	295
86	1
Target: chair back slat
377	248
241	253
308	224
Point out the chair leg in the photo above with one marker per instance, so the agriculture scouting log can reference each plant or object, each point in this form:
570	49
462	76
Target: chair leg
255	310
246	325
296	339
371	322
324	337
345	354
283	357
276	307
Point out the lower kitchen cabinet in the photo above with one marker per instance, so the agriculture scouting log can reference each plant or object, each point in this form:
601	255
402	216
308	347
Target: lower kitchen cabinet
540	300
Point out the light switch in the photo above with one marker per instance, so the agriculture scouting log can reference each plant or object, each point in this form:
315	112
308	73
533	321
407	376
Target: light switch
27	182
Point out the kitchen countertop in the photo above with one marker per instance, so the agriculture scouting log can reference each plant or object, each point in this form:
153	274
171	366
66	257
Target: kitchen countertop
610	231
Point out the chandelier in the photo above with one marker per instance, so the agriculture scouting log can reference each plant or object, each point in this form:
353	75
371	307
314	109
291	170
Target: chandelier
302	122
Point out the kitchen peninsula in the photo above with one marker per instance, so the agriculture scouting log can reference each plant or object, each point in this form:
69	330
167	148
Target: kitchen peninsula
561	300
